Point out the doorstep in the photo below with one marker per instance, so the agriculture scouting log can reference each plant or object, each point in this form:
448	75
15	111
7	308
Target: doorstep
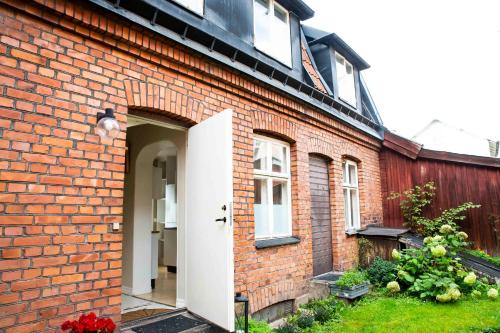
176	321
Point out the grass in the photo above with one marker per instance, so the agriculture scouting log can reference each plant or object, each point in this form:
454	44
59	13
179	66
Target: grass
402	314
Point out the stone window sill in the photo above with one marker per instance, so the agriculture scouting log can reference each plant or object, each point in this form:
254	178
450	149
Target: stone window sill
266	243
352	232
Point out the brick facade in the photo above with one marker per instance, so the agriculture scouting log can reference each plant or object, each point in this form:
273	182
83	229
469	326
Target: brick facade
61	187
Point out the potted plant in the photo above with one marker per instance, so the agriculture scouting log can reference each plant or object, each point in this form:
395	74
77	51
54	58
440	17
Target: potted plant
351	285
89	324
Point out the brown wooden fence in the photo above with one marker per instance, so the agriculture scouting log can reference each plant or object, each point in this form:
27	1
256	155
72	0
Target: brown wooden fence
459	178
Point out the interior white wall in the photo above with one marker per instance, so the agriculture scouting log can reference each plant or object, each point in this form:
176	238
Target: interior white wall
145	142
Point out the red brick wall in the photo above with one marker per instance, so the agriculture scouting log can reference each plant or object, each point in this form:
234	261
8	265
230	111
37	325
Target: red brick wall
61	187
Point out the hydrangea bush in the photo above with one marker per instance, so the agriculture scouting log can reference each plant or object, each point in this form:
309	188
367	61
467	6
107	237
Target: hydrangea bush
435	272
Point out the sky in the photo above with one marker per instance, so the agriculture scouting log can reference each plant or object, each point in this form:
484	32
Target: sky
430	59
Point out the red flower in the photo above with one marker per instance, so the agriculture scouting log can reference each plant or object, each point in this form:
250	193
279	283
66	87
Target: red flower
89	324
66	325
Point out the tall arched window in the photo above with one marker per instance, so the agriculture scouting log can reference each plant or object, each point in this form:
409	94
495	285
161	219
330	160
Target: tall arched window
351	195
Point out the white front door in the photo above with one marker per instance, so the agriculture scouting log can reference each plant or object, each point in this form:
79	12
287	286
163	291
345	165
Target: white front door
209	239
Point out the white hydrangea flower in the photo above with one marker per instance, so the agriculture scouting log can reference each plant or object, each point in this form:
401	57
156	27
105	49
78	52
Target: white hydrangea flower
393	287
454	293
470	279
492	293
443	298
396	255
446	229
438	251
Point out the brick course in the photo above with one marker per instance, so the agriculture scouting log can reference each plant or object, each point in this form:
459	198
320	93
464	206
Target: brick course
61	186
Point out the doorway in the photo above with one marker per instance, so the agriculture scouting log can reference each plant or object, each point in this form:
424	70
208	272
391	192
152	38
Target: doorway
186	173
320	215
153	240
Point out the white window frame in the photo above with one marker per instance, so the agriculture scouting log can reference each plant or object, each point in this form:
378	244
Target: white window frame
199	9
339	93
269	176
264	48
349	222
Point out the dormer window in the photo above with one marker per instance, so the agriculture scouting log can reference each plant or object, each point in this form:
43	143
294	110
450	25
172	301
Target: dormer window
272	30
193	5
345	80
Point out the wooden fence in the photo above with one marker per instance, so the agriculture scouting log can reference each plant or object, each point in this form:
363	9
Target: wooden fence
459	178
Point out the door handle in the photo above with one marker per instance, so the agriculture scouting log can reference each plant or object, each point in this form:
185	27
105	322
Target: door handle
223	219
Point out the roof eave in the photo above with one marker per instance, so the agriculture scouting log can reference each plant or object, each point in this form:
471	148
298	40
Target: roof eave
299	8
339	44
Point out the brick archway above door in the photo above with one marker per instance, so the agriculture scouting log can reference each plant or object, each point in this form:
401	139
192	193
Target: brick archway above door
141	95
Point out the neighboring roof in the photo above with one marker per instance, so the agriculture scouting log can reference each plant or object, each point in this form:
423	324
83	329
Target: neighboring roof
438	135
316	36
299	8
413	150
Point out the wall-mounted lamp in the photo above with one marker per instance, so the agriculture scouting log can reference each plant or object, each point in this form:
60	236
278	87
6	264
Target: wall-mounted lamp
107	126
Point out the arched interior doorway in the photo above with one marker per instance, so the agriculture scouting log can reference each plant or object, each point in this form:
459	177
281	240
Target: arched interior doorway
153	241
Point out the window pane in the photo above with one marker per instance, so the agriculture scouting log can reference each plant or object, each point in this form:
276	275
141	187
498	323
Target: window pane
261	207
347	209
340	60
259	155
261	24
345	80
345	178
354	208
279	158
280	13
281	45
281	223
348	69
353	177
263	3
272	32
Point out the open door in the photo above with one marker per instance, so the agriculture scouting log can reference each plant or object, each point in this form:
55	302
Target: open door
209	220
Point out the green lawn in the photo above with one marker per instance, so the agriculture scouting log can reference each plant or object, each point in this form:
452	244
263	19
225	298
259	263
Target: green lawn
401	314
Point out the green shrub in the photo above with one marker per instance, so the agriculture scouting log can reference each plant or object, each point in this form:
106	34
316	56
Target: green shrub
305	319
491	330
381	272
325	309
351	278
434	271
414	203
255	326
287	327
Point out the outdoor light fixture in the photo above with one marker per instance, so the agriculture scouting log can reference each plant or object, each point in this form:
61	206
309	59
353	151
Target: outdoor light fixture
241	313
107	126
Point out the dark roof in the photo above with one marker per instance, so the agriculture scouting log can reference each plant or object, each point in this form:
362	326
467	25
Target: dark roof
299	8
316	36
383	232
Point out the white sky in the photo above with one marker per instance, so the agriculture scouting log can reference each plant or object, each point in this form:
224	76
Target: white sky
430	59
